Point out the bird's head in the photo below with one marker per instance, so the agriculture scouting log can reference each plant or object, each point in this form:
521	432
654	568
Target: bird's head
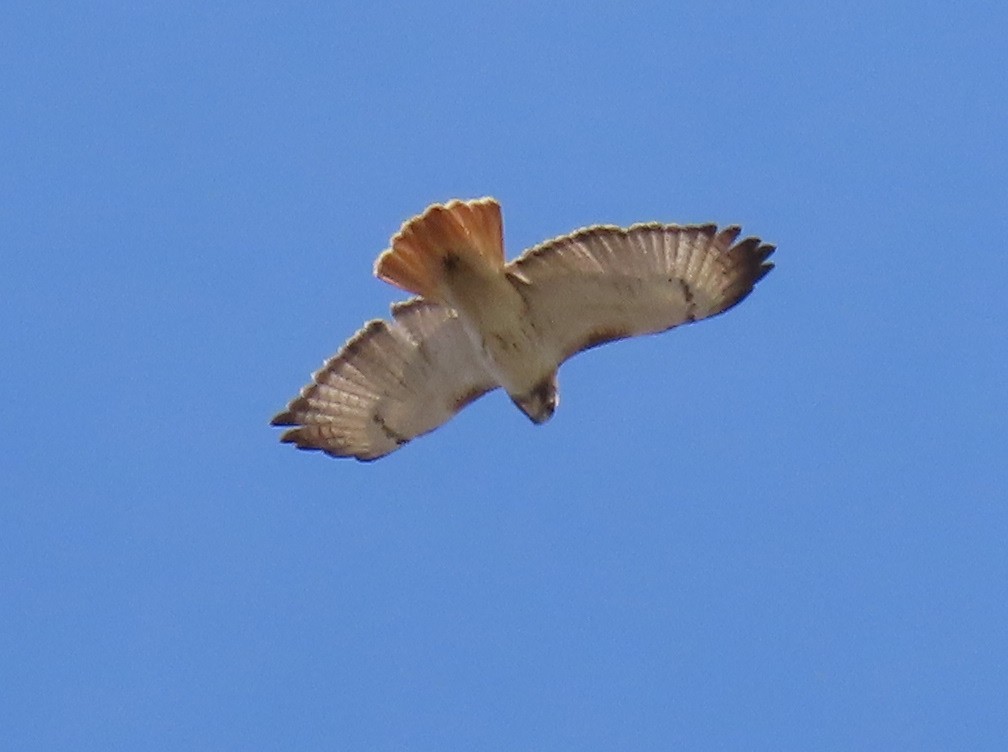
541	402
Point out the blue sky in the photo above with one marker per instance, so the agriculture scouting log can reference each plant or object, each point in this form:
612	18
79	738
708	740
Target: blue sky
783	528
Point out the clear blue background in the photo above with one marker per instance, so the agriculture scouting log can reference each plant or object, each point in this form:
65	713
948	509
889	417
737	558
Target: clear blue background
784	528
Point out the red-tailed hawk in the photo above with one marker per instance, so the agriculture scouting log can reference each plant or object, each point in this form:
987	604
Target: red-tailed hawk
479	323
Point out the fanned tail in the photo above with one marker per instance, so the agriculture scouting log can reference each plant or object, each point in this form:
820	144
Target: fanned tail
467	233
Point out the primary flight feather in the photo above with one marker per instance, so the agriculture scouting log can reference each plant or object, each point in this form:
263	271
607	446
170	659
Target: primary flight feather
479	323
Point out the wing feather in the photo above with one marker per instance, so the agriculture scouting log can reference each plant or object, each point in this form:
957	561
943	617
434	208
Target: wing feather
604	283
391	382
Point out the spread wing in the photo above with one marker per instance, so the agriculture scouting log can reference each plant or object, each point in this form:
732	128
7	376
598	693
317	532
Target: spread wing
390	382
605	283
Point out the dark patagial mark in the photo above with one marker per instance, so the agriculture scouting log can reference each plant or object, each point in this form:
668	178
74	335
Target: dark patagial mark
687	292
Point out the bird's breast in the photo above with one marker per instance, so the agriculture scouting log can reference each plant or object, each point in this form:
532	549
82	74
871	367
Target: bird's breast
496	318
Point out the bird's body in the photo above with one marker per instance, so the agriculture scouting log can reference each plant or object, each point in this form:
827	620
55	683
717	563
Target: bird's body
479	323
495	316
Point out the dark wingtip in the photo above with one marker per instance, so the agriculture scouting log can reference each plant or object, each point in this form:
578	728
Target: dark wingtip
727	235
285	418
765	251
297	437
752	250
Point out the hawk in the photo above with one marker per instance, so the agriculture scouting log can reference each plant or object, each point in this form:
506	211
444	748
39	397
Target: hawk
478	323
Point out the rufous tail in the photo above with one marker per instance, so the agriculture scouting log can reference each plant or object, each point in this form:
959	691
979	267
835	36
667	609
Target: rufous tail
431	244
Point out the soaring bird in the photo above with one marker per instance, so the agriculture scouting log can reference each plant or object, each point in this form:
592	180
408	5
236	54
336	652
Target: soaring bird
478	323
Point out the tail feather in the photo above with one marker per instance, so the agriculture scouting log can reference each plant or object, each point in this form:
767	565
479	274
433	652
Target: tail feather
428	244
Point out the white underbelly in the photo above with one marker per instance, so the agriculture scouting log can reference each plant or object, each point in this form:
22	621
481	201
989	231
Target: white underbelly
495	317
